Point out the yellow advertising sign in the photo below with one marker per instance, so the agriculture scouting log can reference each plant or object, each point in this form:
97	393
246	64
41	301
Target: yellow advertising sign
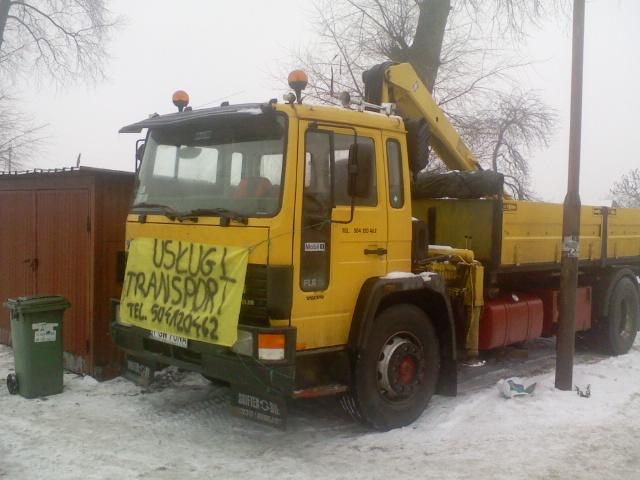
190	290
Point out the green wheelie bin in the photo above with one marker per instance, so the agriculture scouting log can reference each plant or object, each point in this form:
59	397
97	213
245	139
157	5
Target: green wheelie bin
36	334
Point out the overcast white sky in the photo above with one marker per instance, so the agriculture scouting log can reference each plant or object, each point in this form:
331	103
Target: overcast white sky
219	50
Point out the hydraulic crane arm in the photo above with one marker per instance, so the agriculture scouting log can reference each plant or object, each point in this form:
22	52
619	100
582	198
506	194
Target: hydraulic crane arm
400	84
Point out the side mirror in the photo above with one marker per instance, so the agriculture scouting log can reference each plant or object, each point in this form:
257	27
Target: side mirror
360	166
140	144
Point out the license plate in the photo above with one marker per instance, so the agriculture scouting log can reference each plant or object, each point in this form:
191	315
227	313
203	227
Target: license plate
170	339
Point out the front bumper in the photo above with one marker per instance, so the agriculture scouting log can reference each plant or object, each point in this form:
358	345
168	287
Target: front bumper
216	361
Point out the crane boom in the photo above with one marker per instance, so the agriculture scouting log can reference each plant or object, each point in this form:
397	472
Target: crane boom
401	85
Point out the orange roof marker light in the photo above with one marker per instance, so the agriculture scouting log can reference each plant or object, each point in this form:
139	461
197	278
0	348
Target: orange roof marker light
298	81
180	99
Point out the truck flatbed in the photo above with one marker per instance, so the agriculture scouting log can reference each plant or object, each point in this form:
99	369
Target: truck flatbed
510	234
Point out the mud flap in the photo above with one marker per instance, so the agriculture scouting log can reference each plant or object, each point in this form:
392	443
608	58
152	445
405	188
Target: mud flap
448	379
259	406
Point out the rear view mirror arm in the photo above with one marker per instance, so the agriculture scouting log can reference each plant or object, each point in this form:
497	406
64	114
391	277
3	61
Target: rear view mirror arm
353	207
140	146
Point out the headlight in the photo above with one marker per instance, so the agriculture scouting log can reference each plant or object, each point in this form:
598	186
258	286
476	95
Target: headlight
244	343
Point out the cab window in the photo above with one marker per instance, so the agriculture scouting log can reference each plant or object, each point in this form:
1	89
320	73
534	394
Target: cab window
316	212
394	166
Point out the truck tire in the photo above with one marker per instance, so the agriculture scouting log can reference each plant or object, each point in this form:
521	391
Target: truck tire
397	371
623	317
12	383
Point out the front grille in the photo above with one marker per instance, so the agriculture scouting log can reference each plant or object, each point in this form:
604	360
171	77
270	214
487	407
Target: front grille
254	309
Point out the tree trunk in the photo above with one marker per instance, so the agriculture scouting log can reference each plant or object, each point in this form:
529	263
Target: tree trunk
424	53
496	150
4	12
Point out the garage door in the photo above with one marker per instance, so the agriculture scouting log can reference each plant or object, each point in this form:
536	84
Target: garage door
17	251
63	243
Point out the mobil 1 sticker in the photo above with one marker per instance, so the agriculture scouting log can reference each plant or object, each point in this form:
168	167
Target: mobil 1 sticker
259	407
315	247
44	332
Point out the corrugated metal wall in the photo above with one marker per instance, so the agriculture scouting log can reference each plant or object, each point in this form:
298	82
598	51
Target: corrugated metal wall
113	197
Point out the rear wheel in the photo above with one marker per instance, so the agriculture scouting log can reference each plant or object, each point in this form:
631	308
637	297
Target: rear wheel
623	317
397	371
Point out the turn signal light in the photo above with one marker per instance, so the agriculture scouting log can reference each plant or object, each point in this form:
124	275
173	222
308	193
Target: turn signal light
271	346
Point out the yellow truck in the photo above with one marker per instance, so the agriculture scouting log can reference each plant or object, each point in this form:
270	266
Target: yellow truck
295	250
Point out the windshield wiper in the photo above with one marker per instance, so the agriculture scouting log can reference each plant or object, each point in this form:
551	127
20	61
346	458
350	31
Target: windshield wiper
225	215
167	211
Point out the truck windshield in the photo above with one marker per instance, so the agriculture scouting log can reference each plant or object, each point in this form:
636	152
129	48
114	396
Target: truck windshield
229	163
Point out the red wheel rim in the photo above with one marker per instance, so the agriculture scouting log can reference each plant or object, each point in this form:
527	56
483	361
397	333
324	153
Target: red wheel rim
408	370
401	366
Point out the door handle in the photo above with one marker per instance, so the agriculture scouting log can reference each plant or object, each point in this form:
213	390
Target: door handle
375	251
33	263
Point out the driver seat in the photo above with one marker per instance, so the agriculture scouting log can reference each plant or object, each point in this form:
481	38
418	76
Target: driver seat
253	187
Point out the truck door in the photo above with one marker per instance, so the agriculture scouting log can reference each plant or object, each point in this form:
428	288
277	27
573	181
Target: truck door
336	255
399	211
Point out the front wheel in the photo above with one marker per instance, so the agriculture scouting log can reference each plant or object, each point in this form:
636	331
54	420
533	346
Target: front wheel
397	371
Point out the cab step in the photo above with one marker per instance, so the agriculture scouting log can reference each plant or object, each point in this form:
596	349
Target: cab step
321	391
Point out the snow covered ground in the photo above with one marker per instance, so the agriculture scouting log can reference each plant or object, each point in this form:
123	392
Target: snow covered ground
181	428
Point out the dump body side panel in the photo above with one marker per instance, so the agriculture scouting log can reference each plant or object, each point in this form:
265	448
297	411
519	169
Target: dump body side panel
532	233
510	234
623	233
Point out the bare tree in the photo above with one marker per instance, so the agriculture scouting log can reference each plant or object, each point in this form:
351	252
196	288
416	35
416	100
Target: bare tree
626	191
20	137
457	48
504	134
65	39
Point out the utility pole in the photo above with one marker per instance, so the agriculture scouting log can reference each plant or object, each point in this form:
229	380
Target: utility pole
565	345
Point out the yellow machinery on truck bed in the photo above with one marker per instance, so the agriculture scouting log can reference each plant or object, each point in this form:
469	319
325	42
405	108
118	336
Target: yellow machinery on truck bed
293	250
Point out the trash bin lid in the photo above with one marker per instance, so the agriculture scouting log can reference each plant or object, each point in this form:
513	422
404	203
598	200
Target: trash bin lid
37	303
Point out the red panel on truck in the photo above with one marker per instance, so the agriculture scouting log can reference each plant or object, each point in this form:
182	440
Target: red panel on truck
551	301
510	319
583	309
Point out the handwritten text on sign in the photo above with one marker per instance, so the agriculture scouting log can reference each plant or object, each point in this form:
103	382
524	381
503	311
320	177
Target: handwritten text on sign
191	290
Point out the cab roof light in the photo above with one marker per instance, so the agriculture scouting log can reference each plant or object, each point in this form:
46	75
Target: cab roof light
180	99
298	81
